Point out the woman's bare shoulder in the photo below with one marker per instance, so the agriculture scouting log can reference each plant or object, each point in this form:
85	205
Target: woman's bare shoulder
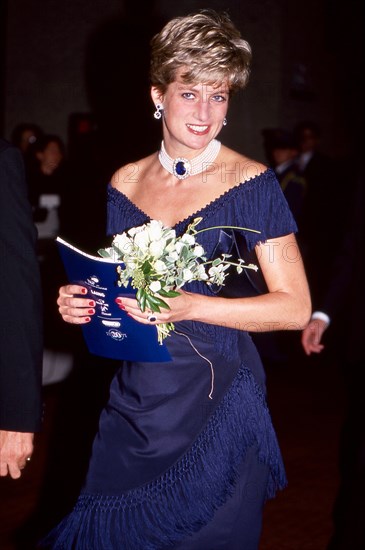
131	173
246	168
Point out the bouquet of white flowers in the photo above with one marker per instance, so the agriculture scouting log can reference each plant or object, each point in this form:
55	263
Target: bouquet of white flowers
157	263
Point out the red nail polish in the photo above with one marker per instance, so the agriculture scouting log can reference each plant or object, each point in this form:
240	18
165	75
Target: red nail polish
84	291
87	319
91	303
91	311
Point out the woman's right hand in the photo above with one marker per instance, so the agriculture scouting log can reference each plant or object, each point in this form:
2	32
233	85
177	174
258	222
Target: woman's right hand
73	308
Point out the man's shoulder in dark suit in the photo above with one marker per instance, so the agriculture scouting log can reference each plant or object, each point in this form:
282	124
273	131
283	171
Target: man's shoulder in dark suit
20	298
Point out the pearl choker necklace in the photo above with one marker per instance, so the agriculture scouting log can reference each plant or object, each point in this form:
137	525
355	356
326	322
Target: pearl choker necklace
183	168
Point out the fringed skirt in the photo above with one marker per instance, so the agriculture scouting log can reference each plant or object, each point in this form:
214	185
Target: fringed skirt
185	455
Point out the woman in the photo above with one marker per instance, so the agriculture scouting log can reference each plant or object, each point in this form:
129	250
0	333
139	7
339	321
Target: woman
46	170
170	467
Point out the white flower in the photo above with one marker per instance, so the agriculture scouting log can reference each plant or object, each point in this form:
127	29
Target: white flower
216	270
198	251
155	286
201	273
155	230
156	248
123	243
188	239
172	256
131	265
134	230
217	273
141	240
179	246
160	266
188	275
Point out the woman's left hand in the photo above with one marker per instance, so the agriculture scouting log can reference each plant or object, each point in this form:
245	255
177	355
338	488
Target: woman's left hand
180	309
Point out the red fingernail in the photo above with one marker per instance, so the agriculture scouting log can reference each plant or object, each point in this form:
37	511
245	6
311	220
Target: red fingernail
91	311
118	300
91	303
87	319
84	291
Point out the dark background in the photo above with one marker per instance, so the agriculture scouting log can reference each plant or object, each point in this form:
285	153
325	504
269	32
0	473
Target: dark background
60	59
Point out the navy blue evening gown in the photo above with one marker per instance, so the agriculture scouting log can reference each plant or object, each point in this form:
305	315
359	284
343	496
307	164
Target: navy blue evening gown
171	466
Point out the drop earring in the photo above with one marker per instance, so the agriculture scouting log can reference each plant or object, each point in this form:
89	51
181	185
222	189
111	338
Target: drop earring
158	113
224	121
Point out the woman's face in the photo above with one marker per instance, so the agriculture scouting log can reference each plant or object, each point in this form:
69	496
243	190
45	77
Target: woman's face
51	157
193	113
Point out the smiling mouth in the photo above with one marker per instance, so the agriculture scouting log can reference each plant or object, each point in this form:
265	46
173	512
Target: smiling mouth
198	129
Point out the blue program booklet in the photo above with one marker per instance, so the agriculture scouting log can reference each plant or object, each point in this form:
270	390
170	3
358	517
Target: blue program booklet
111	332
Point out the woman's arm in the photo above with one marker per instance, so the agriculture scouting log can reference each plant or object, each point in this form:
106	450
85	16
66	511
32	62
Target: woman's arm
285	307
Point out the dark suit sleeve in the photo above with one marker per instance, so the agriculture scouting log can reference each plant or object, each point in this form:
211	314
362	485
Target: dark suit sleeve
334	299
20	301
345	287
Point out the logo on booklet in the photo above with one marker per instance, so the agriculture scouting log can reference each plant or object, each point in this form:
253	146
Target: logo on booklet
116	334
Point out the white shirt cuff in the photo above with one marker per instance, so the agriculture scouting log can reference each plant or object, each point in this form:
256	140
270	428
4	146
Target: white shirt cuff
322	316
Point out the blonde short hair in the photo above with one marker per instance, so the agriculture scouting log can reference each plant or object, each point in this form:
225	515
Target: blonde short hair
207	44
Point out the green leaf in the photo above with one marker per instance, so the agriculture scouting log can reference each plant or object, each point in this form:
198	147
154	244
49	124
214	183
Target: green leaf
118	251
142	302
156	303
146	268
184	253
103	253
152	306
168	293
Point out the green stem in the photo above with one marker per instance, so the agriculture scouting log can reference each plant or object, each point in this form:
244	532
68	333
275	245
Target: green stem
245	266
226	227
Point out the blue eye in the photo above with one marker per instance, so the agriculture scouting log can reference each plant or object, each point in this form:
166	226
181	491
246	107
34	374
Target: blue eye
218	98
188	95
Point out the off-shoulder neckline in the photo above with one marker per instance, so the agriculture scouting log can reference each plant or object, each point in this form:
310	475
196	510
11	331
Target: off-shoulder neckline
214	202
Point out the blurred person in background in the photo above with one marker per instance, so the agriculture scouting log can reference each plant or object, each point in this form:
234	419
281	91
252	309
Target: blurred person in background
282	153
323	211
25	135
47	180
336	330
